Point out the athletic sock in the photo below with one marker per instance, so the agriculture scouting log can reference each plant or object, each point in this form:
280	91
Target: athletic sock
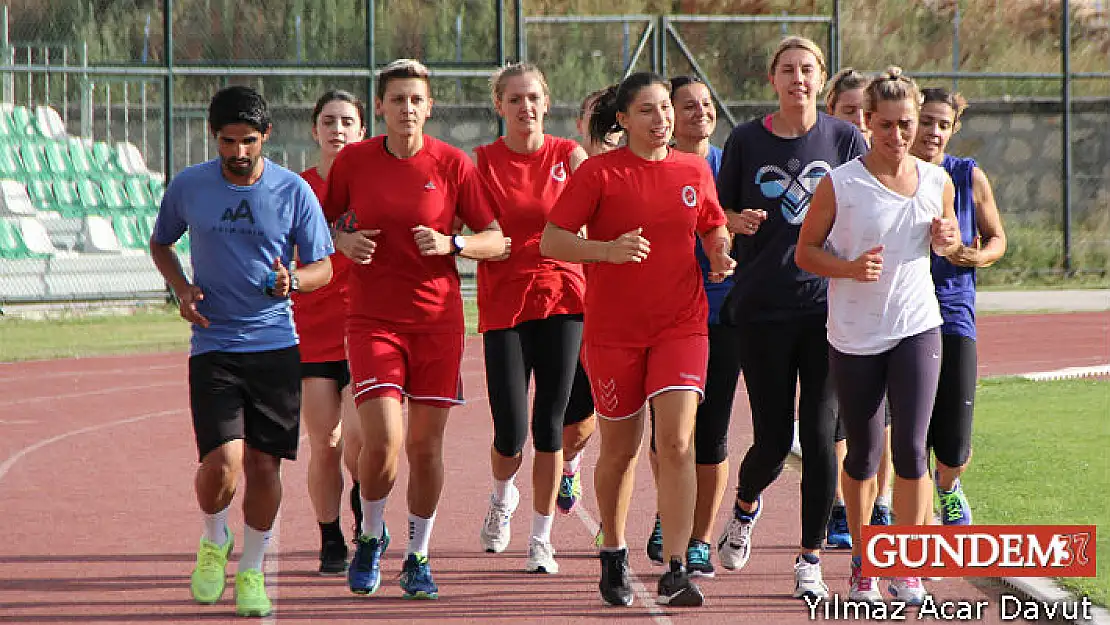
570	467
420	533
373	516
331	532
501	489
215	526
255	543
883	500
811	558
541	526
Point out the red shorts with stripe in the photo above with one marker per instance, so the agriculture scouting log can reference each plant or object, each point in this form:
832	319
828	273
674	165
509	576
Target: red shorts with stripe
622	379
421	366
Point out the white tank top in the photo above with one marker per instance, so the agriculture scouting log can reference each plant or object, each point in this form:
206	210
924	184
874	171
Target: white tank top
872	317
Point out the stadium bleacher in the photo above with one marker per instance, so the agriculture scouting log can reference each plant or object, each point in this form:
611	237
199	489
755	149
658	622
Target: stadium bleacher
75	215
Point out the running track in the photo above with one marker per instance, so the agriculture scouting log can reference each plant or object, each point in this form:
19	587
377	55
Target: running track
99	523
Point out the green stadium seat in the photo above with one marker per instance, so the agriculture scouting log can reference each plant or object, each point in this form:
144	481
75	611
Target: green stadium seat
69	203
157	188
42	194
105	157
22	122
128	233
139	195
114	196
48	123
80	156
10	165
90	196
32	157
11	241
24	238
6	124
57	160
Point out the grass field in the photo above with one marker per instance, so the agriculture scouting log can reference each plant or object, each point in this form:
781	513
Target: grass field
1041	458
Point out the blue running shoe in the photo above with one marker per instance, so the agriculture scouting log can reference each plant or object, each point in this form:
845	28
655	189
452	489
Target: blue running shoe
838	536
416	578
655	542
954	508
880	515
365	575
570	491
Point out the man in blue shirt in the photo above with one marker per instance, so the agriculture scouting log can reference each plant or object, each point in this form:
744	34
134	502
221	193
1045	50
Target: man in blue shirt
246	217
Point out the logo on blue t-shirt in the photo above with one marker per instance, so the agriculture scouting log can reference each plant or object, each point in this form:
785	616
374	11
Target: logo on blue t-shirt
793	188
243	211
232	216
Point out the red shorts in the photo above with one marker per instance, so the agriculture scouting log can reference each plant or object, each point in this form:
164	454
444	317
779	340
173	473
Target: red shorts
423	367
622	379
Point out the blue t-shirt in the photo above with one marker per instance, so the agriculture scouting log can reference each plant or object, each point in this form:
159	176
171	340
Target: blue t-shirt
956	285
760	170
715	292
235	234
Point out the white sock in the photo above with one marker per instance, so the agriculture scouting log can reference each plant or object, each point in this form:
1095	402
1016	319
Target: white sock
255	543
541	526
570	467
502	488
373	517
215	526
420	532
883	500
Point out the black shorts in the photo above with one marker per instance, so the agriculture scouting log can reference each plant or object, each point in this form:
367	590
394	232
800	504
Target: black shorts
337	370
254	396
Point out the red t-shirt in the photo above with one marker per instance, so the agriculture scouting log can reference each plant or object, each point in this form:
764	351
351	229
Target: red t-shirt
523	188
321	316
401	288
639	304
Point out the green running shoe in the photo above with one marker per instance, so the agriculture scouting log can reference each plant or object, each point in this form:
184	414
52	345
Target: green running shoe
210	574
250	594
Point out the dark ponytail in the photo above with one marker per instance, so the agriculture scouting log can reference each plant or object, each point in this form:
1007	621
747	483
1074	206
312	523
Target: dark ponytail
604	119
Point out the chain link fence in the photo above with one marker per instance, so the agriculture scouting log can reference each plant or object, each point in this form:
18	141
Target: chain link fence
125	84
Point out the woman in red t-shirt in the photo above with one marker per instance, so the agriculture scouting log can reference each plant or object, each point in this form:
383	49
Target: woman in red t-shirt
646	316
529	309
400	194
320	316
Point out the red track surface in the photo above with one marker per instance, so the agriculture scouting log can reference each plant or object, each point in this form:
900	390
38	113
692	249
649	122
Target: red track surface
100	525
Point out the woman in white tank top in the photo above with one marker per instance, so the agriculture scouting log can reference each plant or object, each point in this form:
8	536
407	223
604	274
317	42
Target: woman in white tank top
870	226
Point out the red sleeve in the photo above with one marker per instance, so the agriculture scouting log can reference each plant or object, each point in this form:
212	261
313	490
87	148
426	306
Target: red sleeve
578	202
338	197
710	214
474	206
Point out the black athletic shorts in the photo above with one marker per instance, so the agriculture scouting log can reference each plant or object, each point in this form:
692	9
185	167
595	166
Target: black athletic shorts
337	370
254	396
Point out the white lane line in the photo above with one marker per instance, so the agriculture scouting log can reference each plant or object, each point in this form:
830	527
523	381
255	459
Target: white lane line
1068	373
646	598
21	376
17	456
102	391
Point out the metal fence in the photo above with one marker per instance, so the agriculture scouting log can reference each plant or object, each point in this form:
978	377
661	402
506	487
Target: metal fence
142	71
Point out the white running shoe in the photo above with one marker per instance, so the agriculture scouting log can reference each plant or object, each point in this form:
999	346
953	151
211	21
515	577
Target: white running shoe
496	529
908	589
808	581
541	557
862	588
734	547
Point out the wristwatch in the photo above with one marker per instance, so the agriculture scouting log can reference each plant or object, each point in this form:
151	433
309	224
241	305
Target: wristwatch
294	282
458	242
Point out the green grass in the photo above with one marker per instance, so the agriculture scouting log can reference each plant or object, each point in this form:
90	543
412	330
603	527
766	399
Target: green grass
1041	458
150	330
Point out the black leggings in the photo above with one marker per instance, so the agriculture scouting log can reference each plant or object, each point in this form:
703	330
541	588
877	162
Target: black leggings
779	358
715	411
907	374
950	429
581	404
548	349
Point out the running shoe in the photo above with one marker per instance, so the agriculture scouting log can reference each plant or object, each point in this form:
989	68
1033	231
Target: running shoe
655	542
808	581
676	589
210	573
416	578
862	588
364	577
250	594
570	491
541	557
614	585
837	534
496	529
907	589
880	515
699	562
954	508
333	557
735	545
